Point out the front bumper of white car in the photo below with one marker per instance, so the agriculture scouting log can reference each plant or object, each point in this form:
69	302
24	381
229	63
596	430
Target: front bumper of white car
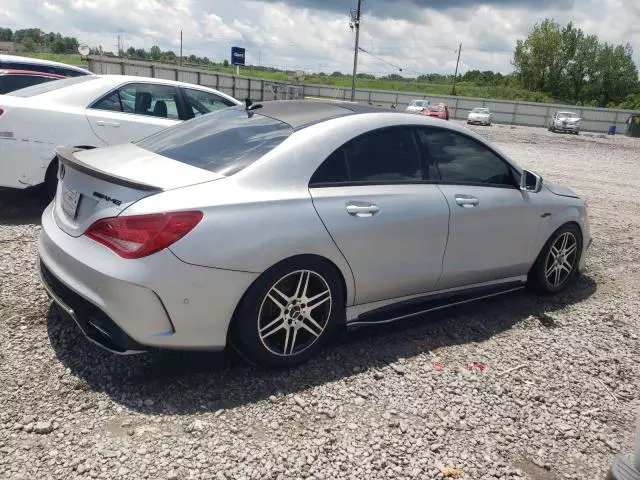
481	120
567	127
127	306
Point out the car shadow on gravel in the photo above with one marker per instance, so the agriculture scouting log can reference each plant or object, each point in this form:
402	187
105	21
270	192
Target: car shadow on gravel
168	382
22	207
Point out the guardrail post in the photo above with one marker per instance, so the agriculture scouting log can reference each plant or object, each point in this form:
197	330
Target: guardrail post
262	90
233	87
199	77
515	113
153	71
217	82
122	70
455	109
177	75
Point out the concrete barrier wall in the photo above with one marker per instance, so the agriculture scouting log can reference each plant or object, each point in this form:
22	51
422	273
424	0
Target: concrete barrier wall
504	111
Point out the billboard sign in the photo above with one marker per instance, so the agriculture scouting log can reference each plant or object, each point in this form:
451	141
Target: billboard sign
237	56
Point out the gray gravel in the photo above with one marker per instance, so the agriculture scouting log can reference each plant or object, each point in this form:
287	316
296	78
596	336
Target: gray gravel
557	399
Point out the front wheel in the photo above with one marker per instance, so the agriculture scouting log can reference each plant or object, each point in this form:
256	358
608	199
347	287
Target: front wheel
557	264
289	313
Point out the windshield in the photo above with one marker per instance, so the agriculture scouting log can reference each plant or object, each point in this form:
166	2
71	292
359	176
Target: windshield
222	142
480	110
568	114
51	86
419	103
436	108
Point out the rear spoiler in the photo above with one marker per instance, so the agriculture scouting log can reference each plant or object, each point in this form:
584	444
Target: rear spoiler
66	156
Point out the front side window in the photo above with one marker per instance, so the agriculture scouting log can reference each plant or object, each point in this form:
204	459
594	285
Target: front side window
201	103
223	142
382	156
461	159
142	99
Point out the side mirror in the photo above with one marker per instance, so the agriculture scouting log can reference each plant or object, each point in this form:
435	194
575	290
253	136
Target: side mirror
530	182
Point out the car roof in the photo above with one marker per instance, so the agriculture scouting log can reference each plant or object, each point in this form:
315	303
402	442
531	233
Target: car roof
10	71
303	113
38	61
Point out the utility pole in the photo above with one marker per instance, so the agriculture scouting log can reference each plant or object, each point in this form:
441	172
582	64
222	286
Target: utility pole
180	47
355	22
455	77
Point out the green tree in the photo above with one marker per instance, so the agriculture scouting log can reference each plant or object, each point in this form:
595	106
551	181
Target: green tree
225	63
6	35
155	53
58	46
30	45
569	65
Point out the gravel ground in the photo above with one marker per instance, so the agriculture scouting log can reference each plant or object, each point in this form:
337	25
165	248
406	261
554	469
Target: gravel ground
558	397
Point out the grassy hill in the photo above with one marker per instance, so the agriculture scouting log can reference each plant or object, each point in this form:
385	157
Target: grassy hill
428	88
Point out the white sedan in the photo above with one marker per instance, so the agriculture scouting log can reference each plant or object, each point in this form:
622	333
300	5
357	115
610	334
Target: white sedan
89	111
479	115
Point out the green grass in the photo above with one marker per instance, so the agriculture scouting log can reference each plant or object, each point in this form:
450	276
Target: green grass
464	89
70	59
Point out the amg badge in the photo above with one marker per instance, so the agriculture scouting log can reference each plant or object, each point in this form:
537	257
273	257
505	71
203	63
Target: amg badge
102	196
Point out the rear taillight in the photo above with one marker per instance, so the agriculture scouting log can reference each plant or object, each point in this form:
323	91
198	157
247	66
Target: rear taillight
137	236
1	112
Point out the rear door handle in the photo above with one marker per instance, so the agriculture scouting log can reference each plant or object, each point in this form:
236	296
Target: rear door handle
467	201
103	123
361	209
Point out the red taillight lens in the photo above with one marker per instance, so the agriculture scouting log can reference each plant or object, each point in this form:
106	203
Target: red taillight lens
137	236
1	112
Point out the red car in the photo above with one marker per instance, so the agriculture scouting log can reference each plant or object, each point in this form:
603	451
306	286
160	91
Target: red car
11	80
438	110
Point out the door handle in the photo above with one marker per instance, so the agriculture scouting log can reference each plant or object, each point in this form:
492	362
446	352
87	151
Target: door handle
466	201
362	209
103	123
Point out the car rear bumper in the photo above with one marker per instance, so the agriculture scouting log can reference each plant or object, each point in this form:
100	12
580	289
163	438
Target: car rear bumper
622	470
127	306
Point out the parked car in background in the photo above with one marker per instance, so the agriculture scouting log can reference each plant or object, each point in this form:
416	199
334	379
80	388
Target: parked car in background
479	116
14	62
89	111
271	227
565	122
11	80
437	110
417	106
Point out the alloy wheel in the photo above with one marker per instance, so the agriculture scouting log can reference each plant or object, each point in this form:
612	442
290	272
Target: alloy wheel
295	312
561	259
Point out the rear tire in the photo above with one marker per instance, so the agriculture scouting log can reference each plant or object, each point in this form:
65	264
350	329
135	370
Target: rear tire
51	180
289	313
557	264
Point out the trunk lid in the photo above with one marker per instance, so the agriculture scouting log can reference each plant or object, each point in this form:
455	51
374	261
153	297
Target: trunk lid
100	183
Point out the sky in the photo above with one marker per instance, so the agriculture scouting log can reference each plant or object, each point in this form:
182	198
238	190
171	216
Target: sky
417	36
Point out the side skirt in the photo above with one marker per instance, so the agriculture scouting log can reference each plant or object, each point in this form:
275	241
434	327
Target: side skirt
431	303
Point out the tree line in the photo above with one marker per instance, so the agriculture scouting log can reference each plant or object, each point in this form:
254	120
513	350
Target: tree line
563	63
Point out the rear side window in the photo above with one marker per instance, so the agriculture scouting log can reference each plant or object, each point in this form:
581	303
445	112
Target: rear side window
382	156
10	83
36	67
51	86
223	142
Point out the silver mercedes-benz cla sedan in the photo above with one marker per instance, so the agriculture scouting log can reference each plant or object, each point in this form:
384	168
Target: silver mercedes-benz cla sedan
269	228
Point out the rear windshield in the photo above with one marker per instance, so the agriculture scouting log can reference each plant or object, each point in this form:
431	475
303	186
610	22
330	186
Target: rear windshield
51	86
223	142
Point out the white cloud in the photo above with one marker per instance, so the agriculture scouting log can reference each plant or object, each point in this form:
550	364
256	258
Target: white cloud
405	33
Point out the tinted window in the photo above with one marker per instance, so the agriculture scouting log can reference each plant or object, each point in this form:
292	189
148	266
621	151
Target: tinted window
460	159
111	102
223	142
9	83
51	86
201	102
36	67
382	156
149	99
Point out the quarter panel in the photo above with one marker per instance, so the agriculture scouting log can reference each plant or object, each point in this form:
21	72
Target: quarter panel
245	229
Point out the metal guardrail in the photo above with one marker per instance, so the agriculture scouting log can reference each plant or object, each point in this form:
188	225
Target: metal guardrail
503	111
